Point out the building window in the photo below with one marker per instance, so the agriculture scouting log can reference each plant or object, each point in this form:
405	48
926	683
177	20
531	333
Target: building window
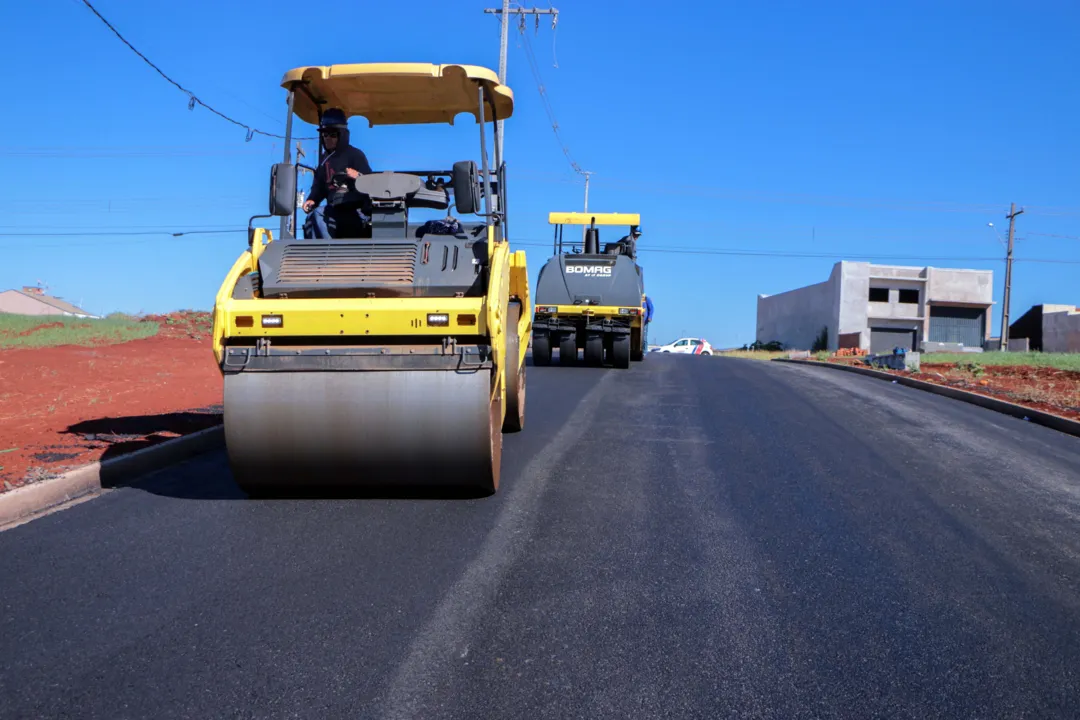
910	297
879	295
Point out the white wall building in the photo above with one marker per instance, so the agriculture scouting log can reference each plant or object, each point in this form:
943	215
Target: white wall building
33	301
879	307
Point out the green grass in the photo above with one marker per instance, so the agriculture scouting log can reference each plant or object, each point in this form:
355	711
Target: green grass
18	331
1061	361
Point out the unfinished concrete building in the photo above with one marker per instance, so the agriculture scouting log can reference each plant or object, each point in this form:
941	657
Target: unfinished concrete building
1049	328
879	307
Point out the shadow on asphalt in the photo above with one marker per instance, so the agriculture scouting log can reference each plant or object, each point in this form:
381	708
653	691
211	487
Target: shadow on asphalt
372	493
133	426
210	480
128	433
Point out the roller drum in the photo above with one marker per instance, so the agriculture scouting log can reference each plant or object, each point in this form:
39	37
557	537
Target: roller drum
425	428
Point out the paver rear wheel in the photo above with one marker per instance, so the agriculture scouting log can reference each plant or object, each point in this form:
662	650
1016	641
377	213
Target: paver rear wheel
620	352
568	350
638	341
594	349
541	349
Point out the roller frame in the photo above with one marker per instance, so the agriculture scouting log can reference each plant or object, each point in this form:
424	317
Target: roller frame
360	390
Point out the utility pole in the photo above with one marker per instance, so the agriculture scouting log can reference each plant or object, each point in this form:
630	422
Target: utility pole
504	14
504	36
1008	277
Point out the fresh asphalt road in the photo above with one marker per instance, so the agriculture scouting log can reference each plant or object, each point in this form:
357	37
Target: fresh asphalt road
692	537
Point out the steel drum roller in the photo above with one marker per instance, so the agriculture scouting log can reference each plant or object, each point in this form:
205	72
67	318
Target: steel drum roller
360	429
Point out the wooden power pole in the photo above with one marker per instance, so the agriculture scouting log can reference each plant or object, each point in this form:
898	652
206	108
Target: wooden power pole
1013	212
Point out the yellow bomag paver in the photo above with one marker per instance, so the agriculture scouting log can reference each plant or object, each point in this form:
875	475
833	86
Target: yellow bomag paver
395	358
588	299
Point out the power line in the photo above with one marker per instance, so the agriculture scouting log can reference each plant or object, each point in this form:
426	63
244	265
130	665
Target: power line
784	254
504	25
1052	235
818	255
698	190
1048	210
701	190
534	67
110	152
73	228
106	233
675	250
99	243
192	99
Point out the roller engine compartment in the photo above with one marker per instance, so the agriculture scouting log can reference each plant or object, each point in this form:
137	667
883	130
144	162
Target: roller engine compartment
396	258
581	279
417	266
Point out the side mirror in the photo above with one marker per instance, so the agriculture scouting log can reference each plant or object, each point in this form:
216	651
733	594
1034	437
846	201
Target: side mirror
466	187
282	189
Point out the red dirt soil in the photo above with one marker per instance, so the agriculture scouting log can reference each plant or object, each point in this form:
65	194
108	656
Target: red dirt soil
39	328
1041	388
62	407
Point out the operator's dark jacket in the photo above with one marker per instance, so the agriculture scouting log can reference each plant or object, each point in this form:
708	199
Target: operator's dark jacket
346	156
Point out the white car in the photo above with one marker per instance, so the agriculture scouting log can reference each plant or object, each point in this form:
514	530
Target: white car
687	346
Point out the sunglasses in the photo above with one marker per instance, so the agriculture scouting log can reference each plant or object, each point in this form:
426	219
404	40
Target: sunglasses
330	133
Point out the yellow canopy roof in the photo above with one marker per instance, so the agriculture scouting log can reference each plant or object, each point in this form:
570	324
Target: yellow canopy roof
587	218
398	93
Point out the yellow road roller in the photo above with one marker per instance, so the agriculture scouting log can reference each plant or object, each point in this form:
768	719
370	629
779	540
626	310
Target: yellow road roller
392	356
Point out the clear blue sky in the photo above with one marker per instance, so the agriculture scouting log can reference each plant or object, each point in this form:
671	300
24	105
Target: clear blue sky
852	130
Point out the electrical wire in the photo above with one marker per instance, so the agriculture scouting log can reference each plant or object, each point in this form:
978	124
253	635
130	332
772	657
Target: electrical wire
1052	235
537	76
535	69
127	152
192	99
804	198
661	250
36	227
110	233
531	58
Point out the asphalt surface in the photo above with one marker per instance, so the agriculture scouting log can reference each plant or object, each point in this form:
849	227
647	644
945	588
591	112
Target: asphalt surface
693	537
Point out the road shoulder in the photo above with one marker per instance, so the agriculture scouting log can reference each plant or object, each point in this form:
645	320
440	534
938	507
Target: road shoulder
1040	417
29	502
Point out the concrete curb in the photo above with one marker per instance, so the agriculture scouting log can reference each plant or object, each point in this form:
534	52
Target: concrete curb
27	502
1055	422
